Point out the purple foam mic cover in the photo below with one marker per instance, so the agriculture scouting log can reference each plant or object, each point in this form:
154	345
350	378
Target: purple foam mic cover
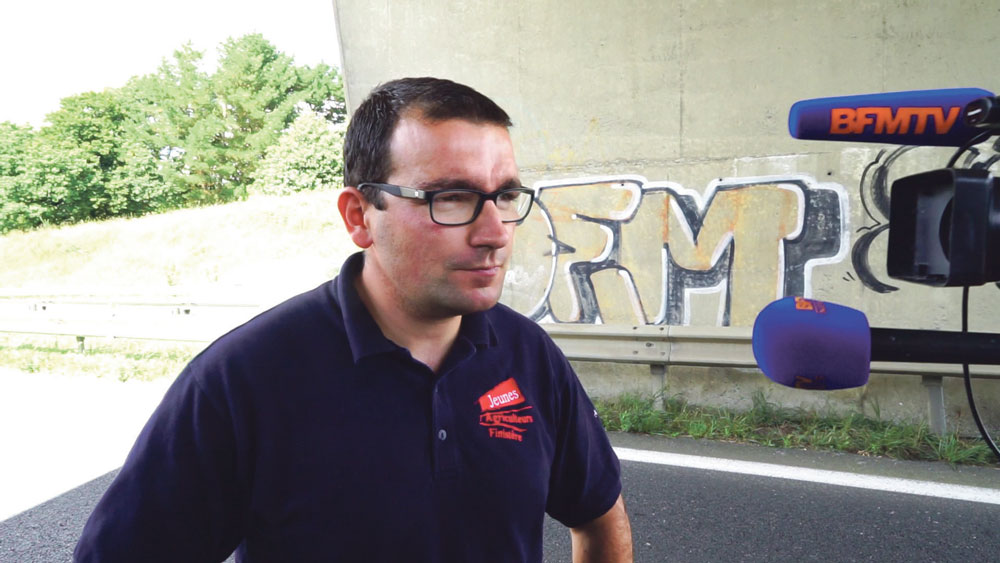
810	344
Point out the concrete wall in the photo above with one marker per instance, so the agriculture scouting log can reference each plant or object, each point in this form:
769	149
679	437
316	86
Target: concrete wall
663	125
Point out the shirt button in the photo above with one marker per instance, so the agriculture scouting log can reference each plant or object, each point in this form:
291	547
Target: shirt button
442	434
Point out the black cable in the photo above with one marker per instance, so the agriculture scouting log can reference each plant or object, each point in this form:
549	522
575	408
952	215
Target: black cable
965	311
968	379
972	142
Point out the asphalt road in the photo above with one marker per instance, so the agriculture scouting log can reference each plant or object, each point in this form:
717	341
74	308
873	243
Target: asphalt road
696	514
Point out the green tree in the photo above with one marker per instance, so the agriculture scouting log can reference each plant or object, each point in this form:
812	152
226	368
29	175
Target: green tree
172	104
14	143
259	91
180	136
51	186
102	127
308	156
213	130
15	147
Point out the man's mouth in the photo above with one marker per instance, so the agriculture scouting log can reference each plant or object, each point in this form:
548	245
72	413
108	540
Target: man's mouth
490	270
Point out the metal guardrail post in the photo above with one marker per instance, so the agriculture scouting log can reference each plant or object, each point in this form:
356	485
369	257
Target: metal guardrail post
936	416
659	371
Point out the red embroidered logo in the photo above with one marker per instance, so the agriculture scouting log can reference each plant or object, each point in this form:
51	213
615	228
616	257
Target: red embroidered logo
503	421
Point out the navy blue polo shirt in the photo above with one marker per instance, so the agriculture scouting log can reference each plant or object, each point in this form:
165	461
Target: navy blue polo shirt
306	435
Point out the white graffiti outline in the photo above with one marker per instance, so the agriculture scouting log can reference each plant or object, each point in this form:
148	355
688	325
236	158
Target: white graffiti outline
639	187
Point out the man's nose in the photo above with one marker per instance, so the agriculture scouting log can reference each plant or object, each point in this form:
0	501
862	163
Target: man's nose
489	229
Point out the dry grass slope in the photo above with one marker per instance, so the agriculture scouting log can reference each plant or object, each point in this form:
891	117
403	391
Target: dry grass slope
258	251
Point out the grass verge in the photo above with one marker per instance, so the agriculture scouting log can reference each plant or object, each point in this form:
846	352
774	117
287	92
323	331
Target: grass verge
101	357
764	424
767	424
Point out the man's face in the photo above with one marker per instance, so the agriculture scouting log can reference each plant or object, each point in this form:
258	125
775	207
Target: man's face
429	270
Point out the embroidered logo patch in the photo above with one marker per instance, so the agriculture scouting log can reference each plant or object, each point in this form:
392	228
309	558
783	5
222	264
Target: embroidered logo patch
504	411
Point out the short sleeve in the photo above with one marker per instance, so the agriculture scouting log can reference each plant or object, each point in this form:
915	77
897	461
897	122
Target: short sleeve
586	475
176	497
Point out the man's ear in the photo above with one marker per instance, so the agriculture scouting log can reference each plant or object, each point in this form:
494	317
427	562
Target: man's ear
352	205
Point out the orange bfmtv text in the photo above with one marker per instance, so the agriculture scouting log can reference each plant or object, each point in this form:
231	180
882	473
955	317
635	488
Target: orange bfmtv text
803	304
917	117
893	121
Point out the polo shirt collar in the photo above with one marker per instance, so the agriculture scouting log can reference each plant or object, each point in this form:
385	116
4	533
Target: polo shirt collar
478	330
363	333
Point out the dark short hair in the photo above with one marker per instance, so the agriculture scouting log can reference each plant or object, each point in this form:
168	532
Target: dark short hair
366	143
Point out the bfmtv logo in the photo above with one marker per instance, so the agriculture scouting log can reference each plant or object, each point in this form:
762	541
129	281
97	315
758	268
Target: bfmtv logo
892	121
803	304
916	117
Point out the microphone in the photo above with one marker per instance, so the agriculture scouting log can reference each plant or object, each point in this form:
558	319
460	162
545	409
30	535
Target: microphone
811	344
915	117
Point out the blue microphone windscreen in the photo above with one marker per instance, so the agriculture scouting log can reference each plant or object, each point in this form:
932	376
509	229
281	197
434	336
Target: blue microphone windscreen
811	344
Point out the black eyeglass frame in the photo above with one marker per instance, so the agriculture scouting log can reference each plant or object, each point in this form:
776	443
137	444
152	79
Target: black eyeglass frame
428	196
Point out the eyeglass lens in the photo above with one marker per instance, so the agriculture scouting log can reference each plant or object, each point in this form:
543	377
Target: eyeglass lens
460	206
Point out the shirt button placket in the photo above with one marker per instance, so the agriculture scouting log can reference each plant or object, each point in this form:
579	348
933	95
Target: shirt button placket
444	445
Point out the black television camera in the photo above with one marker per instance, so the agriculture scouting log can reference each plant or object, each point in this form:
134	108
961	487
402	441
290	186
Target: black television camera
944	225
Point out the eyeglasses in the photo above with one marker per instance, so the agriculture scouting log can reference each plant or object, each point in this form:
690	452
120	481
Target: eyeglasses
460	206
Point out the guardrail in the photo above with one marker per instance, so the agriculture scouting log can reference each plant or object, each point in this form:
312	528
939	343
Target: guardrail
660	346
656	346
700	346
180	321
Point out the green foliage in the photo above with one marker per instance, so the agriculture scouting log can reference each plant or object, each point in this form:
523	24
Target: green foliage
308	156
767	424
126	178
15	147
174	138
14	142
51	186
213	130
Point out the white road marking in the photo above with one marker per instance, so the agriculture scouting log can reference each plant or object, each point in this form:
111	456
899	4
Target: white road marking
841	478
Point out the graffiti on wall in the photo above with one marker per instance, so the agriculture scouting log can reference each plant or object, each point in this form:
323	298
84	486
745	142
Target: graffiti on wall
874	189
623	250
875	204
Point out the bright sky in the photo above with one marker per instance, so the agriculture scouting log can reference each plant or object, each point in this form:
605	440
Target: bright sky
50	49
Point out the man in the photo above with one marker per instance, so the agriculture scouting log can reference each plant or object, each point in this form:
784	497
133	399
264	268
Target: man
397	413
